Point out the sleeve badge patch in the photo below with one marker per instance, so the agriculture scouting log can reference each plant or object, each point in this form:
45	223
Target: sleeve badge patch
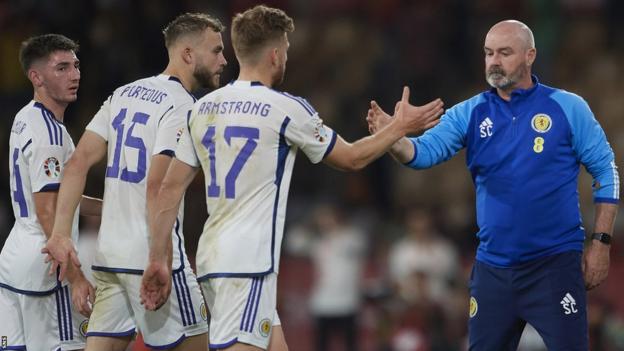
52	167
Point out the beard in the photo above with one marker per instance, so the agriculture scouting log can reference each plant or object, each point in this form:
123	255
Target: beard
499	79
206	78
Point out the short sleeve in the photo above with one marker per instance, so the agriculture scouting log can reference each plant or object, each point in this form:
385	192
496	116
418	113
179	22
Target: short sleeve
185	150
307	131
100	122
45	163
171	126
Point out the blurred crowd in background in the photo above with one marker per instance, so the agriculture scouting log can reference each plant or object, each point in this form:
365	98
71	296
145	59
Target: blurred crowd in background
376	260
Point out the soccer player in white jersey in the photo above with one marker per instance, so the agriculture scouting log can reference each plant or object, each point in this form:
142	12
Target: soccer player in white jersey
138	127
245	137
35	307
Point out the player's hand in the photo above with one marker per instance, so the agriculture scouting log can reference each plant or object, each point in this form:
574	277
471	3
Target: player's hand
595	264
83	295
60	251
377	118
156	284
417	119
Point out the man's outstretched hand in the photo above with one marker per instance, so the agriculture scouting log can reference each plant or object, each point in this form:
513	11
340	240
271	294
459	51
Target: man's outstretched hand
156	285
60	252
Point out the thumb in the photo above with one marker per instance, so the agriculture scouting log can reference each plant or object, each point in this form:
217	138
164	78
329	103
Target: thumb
406	95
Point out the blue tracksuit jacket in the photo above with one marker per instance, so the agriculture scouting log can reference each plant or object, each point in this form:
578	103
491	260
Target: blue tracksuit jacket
524	156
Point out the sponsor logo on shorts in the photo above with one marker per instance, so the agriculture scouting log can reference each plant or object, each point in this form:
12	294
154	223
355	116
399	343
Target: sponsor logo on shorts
83	327
265	327
203	311
569	304
474	306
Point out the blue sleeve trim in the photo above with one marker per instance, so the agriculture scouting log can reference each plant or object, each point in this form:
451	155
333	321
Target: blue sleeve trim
415	152
15	348
607	200
50	187
332	143
117	270
169	153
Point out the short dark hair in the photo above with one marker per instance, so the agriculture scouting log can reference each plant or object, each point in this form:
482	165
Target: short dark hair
190	23
39	47
257	26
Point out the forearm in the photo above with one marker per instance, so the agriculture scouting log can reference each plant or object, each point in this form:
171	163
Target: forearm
162	218
69	197
90	206
74	273
403	150
366	150
605	217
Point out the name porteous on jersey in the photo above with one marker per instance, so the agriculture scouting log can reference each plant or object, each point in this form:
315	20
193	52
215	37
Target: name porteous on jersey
140	120
143	93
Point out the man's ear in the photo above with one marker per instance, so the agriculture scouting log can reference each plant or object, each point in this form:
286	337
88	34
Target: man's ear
531	55
35	77
187	55
274	57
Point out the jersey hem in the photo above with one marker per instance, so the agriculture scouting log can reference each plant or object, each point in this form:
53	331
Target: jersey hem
233	275
117	270
29	292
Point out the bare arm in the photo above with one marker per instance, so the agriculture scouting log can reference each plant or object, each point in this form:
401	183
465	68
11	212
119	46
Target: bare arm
165	209
596	259
45	206
156	174
90	206
90	150
156	282
355	156
60	248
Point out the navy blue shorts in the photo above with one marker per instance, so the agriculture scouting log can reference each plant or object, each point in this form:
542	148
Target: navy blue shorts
548	293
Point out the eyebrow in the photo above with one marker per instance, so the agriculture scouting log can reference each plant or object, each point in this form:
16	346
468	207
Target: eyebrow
67	63
499	49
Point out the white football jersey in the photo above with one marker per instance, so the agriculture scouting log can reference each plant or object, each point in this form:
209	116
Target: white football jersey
39	146
139	120
245	137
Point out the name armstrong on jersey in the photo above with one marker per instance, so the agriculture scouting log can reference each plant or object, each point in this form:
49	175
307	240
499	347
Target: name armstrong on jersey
234	107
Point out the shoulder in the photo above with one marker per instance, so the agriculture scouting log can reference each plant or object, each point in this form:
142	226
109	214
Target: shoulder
565	98
33	119
574	107
464	110
290	102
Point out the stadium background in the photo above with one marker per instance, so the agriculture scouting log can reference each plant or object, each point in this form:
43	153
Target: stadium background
344	53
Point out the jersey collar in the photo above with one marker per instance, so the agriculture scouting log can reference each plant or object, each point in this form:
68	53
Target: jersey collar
521	92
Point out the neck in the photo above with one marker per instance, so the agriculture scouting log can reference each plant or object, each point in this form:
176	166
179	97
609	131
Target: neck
256	74
184	75
525	83
57	108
